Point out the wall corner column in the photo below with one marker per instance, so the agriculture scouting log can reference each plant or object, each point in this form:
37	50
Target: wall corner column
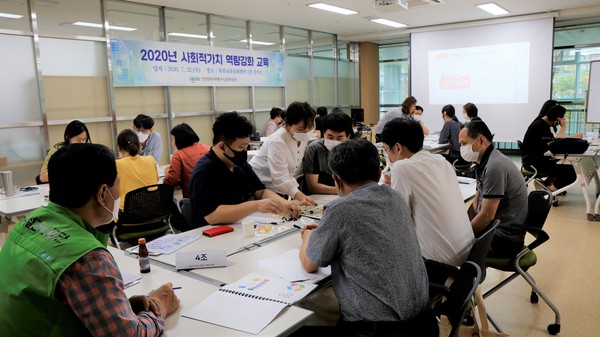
369	81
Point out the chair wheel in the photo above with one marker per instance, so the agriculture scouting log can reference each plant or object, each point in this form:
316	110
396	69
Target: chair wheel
533	298
555	203
469	321
553	329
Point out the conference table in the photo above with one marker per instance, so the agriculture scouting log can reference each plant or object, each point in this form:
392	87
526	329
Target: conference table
194	291
24	202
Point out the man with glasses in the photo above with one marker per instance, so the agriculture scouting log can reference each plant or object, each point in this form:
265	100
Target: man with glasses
223	186
501	190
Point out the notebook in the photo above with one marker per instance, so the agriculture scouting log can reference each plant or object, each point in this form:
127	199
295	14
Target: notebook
250	303
287	266
167	244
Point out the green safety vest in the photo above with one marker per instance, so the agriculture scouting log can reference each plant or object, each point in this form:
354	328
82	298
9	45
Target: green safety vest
36	253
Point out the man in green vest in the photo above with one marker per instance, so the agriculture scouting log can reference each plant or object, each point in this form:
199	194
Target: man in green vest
57	277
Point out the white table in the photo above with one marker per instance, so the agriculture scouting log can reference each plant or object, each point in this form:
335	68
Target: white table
468	190
193	292
24	203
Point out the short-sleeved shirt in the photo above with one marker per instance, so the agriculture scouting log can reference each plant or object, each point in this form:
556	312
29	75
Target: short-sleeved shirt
388	116
499	178
449	134
268	128
369	240
212	184
315	162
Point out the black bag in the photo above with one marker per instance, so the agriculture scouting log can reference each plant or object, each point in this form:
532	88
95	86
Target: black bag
568	146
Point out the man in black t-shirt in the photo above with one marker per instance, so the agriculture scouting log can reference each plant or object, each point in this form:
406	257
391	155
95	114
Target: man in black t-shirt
223	186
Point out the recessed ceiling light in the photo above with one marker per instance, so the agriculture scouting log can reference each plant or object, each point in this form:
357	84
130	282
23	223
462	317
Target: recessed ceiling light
259	42
10	16
98	25
195	36
331	8
493	8
389	23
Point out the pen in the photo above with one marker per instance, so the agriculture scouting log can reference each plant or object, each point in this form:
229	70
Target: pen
176	288
297	226
267	223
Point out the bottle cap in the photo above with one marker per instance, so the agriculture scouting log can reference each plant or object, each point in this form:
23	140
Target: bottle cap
141	241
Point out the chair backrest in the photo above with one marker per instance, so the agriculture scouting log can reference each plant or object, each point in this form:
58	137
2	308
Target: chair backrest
481	246
185	208
148	204
539	203
459	294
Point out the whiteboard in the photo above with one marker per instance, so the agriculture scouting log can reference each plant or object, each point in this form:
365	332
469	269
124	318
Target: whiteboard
593	99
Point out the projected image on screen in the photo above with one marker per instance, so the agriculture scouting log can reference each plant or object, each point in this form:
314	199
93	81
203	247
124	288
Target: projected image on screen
484	74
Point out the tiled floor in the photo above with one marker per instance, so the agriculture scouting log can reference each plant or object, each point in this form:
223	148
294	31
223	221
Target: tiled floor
567	271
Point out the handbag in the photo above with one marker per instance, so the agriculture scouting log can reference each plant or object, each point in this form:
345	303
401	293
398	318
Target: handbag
568	146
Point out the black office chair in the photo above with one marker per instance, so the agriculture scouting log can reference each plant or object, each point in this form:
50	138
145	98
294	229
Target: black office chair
453	301
146	214
185	208
539	204
532	174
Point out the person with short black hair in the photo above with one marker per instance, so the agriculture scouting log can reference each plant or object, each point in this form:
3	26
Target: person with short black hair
321	114
135	171
470	112
337	129
55	269
501	190
75	132
223	186
272	124
279	160
417	115
369	240
536	143
449	133
150	140
187	152
435	201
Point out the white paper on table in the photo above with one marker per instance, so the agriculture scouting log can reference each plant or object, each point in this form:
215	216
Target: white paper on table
130	279
287	266
167	244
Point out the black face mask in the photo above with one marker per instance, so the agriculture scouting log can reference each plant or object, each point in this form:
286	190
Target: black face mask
239	157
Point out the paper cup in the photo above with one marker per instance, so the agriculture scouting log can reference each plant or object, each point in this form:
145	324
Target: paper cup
248	227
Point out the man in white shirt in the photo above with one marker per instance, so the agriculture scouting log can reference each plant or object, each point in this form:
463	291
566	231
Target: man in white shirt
429	185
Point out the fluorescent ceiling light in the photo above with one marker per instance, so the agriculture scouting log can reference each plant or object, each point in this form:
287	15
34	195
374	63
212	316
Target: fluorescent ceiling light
10	16
493	8
97	25
259	42
331	8
195	36
389	23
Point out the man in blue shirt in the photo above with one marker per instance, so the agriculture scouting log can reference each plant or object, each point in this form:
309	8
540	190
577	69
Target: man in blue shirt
150	140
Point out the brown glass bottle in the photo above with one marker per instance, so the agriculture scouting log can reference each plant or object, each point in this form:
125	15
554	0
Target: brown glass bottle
143	256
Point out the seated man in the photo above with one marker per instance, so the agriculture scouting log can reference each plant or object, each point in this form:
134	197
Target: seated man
150	139
223	186
337	127
272	124
57	277
501	190
368	238
429	185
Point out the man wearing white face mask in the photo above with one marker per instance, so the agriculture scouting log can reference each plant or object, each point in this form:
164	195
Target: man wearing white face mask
149	139
417	115
56	259
279	160
501	190
337	128
428	183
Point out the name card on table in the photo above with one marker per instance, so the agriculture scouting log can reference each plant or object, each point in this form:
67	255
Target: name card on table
208	258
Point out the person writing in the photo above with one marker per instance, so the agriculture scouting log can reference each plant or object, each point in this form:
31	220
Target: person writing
188	151
501	190
369	239
57	277
223	186
75	132
279	160
337	128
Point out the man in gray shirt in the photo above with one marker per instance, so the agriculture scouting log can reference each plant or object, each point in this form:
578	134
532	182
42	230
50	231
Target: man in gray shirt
501	190
150	140
369	239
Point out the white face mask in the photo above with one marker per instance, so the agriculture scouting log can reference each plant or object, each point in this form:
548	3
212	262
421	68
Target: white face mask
116	205
417	118
387	157
330	144
302	136
466	151
142	136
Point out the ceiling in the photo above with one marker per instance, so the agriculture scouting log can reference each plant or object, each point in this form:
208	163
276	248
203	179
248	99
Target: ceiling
357	27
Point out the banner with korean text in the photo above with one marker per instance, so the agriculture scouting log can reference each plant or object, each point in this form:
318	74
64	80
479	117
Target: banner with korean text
149	63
